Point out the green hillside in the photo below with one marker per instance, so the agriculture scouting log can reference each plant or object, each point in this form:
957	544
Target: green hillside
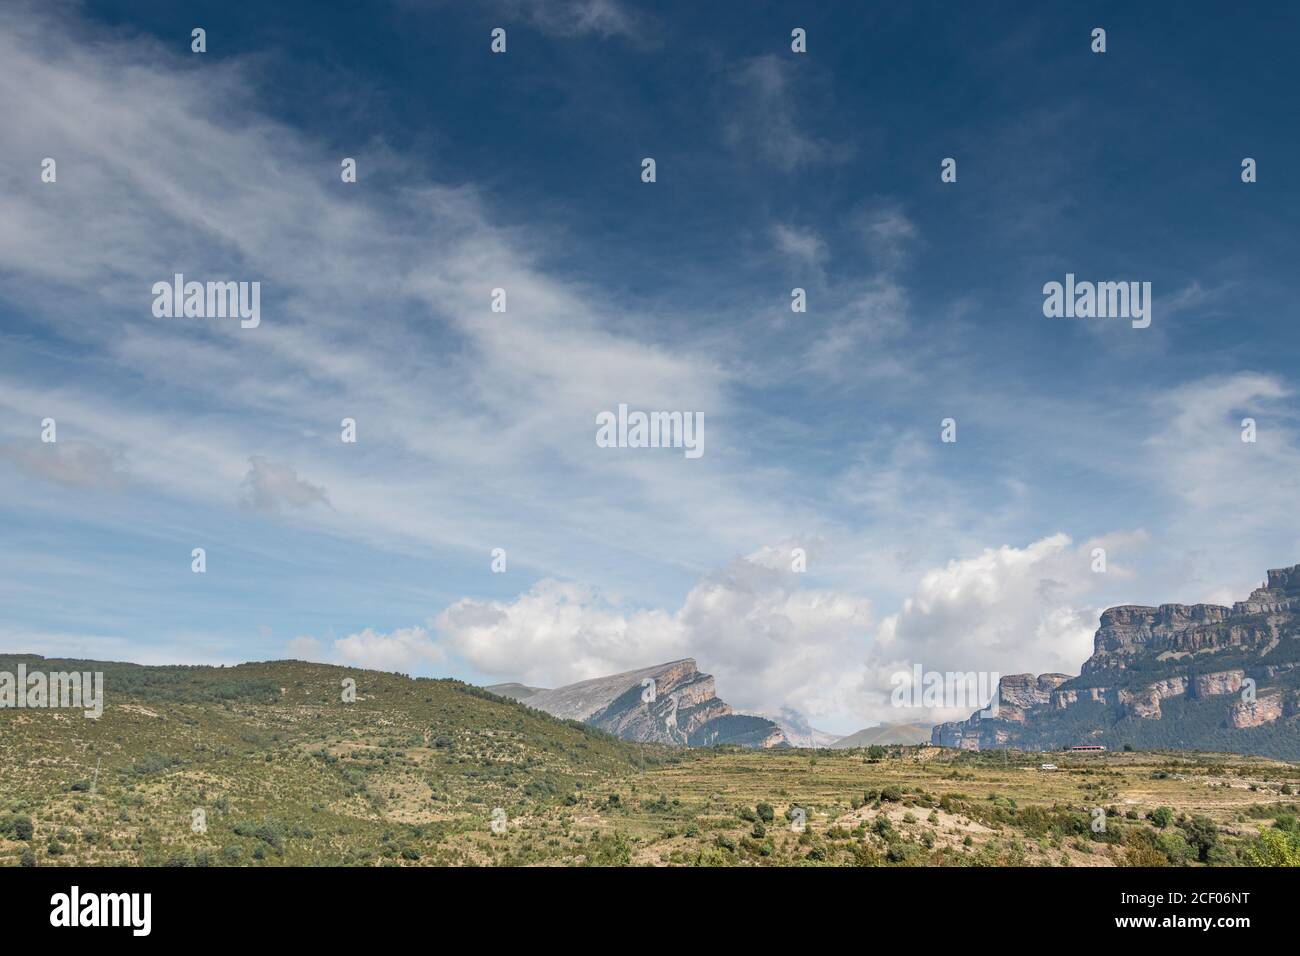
410	774
283	768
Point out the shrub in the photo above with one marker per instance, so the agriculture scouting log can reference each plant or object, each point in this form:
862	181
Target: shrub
1274	848
610	851
1202	835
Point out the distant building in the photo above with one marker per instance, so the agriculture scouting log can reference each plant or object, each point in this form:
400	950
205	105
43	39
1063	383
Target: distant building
1087	749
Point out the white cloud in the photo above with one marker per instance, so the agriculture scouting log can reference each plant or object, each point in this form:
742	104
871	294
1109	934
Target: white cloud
271	486
77	464
400	650
764	117
803	246
1231	503
171	174
889	235
768	641
558	632
1212	471
1008	610
571	18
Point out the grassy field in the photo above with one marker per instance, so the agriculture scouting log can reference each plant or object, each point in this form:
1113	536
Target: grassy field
265	764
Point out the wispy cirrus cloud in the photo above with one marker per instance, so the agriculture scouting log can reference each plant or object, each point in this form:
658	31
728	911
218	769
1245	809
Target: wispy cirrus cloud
764	118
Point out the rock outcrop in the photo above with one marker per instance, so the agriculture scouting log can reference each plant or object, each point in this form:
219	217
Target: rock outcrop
1263	710
1200	675
670	703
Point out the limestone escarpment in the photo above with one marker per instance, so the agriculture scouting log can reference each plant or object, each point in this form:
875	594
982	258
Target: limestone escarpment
1200	675
669	703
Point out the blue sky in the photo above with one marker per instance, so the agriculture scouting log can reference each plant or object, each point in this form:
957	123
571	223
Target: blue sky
476	429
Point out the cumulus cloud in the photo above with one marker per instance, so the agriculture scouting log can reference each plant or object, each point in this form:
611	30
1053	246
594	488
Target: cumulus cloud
400	650
1006	610
558	632
272	486
772	642
767	640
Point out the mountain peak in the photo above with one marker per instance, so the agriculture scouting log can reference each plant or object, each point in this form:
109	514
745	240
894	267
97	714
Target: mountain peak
671	703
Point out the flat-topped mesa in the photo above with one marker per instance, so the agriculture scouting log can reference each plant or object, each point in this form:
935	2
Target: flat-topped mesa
1177	674
1130	630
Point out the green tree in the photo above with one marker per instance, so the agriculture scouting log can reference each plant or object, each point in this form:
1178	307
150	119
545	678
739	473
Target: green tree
1274	848
1202	834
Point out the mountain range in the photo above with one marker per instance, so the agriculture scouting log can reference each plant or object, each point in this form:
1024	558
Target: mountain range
1199	676
686	711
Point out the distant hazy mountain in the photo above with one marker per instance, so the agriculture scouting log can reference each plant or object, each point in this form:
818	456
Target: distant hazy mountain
513	691
1200	677
798	731
669	703
885	734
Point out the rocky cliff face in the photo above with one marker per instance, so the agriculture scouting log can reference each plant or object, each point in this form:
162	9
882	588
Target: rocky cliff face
1200	676
670	703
